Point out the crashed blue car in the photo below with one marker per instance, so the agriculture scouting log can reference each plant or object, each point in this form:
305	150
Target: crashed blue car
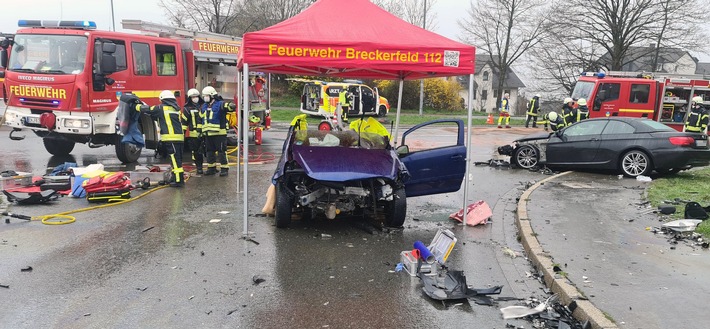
345	172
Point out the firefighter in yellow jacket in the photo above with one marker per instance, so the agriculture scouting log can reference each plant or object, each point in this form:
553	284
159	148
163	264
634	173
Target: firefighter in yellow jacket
167	114
504	111
214	129
192	126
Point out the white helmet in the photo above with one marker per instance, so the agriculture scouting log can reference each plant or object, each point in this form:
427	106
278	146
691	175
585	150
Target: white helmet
166	94
568	100
581	101
552	116
209	91
698	99
537	95
193	93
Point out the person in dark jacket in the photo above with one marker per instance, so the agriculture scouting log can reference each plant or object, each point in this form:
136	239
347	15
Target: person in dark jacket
697	120
192	125
533	109
556	122
167	114
214	129
580	113
567	109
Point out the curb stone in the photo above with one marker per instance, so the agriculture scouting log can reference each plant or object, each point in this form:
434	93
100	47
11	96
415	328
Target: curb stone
542	261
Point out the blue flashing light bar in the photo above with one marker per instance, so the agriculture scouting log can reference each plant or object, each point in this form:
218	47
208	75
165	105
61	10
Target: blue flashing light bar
599	75
87	25
55	102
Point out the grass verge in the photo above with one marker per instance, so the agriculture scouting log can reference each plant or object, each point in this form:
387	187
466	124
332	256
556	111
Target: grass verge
691	185
407	118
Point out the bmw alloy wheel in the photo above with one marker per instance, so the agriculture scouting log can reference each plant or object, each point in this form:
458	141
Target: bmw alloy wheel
526	157
635	163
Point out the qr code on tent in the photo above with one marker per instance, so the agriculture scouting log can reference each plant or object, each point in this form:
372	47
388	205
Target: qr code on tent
451	58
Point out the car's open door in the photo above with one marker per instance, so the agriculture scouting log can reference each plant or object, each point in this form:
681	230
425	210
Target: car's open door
436	162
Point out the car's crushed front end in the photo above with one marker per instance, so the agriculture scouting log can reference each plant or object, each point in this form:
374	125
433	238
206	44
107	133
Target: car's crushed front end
334	172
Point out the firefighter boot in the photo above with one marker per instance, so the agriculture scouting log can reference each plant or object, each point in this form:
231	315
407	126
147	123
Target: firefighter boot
200	171
224	172
210	171
179	181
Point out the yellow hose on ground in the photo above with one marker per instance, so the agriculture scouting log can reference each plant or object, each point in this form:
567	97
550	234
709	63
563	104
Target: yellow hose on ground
47	219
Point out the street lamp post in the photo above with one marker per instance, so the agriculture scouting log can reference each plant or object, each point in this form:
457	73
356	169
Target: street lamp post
113	22
421	82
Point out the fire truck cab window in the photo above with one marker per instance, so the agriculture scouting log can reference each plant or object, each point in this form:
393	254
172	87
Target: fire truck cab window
49	54
639	93
610	91
141	59
119	54
165	59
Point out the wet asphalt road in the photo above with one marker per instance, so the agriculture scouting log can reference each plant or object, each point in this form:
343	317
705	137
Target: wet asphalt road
159	262
598	235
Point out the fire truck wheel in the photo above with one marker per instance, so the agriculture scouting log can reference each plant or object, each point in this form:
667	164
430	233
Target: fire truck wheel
127	152
382	112
58	146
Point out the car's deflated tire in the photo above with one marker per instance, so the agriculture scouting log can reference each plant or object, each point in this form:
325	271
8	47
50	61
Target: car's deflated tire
396	210
526	157
636	163
284	206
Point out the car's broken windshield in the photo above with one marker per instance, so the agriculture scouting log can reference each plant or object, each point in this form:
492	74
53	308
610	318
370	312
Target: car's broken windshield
347	138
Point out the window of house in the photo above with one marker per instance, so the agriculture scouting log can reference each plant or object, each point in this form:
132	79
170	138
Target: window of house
142	64
165	60
639	93
485	75
495	93
484	95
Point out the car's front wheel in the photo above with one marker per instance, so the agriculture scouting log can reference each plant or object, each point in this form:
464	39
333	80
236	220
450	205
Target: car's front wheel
526	157
382	111
636	163
284	206
396	210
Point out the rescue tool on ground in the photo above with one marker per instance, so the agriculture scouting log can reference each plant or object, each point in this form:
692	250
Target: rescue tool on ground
64	79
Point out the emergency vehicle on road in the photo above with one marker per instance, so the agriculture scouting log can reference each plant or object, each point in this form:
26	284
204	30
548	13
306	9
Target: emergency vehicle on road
661	97
64	79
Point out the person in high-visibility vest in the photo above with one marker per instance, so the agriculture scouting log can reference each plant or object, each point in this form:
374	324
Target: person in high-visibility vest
214	129
580	113
533	109
504	108
567	109
697	120
167	114
192	125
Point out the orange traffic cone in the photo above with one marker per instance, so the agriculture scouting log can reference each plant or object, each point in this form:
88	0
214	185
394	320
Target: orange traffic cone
490	119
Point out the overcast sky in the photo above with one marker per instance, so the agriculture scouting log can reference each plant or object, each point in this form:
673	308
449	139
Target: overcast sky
447	11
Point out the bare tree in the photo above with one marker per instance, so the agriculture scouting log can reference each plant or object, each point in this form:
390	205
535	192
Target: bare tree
203	15
506	29
412	11
257	15
679	26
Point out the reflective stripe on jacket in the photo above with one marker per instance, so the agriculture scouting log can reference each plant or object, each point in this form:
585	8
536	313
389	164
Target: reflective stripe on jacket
533	107
168	117
214	118
504	106
697	120
191	119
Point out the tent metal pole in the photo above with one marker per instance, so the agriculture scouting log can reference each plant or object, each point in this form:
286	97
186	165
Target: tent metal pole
245	156
268	96
469	133
239	136
399	108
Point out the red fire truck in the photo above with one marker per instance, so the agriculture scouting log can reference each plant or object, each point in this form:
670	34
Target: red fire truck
661	97
64	79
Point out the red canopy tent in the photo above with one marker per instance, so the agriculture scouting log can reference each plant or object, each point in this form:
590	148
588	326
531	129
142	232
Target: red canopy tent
354	39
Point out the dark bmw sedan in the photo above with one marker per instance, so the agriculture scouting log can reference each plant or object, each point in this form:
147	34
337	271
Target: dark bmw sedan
633	146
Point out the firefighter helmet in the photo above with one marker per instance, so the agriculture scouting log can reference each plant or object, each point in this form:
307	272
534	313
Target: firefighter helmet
193	93
209	91
581	101
537	95
698	99
552	116
166	94
568	100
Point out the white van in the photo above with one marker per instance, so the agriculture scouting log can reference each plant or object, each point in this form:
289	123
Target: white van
320	97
